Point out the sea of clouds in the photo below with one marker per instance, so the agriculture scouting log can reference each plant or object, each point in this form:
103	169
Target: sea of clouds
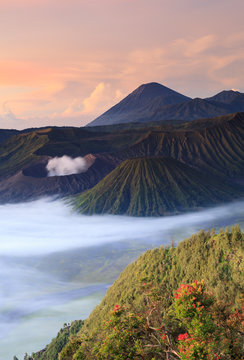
46	226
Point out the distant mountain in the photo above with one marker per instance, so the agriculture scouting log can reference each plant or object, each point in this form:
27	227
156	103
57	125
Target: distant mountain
154	187
228	97
190	110
155	102
140	105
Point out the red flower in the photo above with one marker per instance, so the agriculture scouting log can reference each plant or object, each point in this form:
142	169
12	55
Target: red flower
183	337
117	308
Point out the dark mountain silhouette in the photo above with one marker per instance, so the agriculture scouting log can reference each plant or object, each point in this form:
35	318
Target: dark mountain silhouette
229	97
190	110
140	105
155	102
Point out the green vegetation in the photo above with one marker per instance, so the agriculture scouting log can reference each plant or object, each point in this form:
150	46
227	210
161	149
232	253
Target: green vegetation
52	350
214	146
144	316
145	334
19	151
154	187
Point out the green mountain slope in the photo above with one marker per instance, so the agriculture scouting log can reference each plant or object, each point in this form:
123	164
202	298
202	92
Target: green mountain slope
214	145
153	187
19	151
218	259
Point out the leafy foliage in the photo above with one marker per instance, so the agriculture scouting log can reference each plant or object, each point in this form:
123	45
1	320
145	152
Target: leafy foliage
157	325
145	333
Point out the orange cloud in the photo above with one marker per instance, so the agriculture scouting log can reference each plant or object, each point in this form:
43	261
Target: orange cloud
101	98
189	65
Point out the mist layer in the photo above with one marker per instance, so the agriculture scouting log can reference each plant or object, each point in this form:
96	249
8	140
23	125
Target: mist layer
45	226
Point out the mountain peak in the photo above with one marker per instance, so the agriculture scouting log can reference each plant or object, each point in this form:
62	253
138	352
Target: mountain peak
226	96
140	104
229	92
152	90
151	86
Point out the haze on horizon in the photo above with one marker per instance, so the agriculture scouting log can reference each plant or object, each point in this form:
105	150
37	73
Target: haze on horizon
66	62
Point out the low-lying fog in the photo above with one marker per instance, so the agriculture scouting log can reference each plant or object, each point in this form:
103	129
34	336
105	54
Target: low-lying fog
50	262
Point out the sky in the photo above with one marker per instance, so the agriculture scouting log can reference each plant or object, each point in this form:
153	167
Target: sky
64	62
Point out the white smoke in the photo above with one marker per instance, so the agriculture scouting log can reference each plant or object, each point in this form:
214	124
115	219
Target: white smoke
65	165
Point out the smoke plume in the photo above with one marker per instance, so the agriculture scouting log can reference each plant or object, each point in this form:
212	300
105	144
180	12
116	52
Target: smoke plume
65	165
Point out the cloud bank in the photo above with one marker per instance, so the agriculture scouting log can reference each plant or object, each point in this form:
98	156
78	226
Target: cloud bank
65	165
44	226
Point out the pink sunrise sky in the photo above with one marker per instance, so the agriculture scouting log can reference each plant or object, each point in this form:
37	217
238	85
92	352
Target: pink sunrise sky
64	62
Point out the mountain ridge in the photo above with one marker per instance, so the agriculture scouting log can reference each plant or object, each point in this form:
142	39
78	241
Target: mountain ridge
155	102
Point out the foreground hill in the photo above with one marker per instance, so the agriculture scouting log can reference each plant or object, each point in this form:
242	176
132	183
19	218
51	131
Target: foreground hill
154	187
143	296
155	102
